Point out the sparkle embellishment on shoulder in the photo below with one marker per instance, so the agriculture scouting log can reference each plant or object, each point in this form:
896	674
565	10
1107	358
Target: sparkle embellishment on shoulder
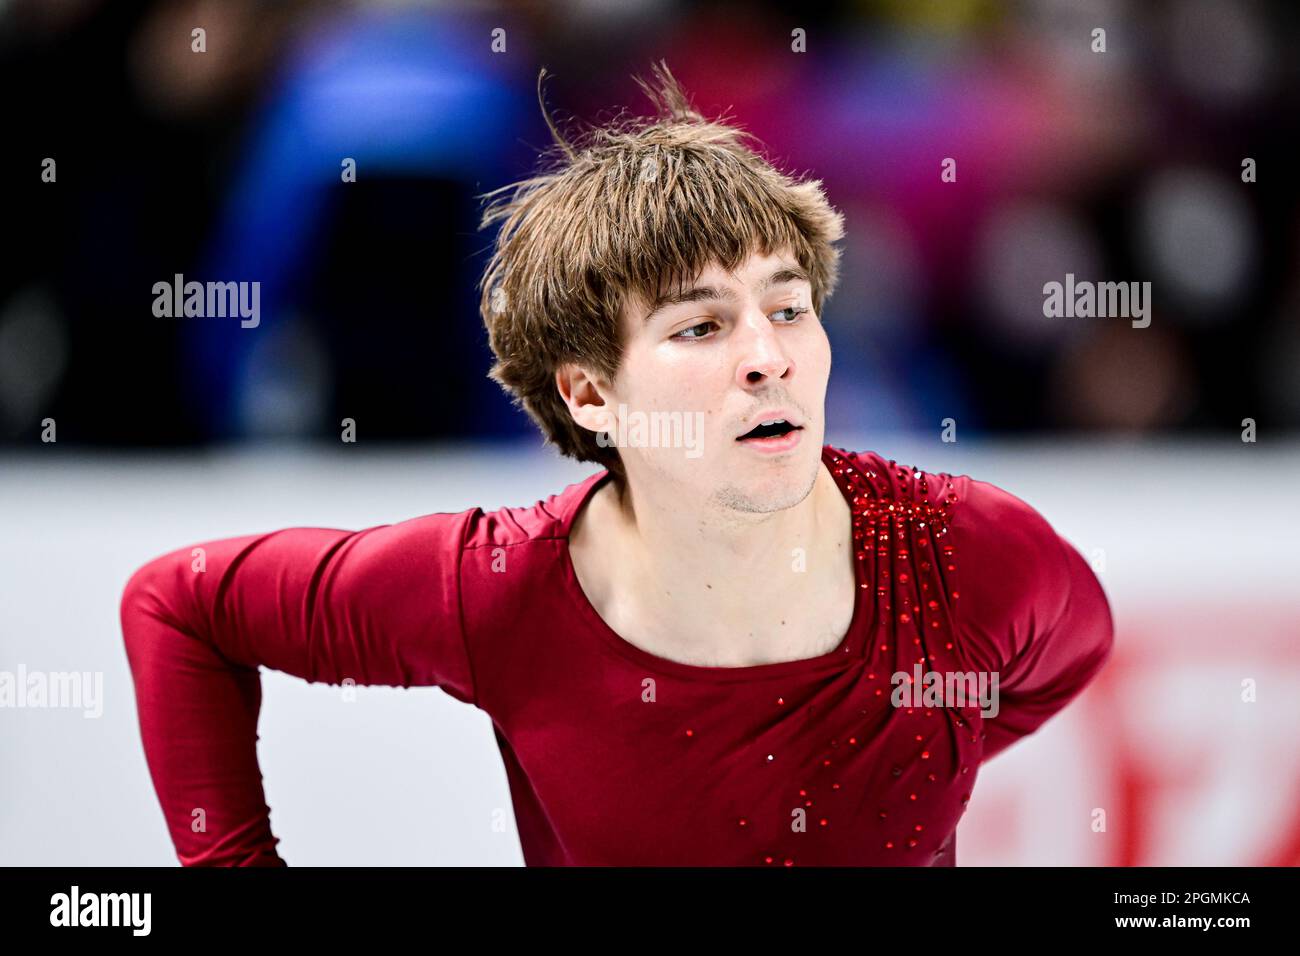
900	538
895	516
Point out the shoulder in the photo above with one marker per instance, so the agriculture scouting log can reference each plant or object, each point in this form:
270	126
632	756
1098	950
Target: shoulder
1008	574
1022	584
989	520
548	519
974	500
995	524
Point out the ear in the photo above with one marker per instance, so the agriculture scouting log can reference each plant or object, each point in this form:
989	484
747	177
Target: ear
585	396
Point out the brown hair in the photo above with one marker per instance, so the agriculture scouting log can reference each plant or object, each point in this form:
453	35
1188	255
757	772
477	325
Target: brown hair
629	209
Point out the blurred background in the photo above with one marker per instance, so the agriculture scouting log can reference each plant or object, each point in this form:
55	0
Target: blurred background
1125	165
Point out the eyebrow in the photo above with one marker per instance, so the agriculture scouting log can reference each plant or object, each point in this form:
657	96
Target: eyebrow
707	293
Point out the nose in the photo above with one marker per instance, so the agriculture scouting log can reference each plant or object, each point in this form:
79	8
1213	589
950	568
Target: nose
761	353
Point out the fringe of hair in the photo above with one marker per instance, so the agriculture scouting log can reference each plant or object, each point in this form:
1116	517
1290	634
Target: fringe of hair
625	211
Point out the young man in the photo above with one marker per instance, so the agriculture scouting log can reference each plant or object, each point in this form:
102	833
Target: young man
697	655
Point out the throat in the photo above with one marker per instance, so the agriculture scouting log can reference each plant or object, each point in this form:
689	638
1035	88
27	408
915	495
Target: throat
794	600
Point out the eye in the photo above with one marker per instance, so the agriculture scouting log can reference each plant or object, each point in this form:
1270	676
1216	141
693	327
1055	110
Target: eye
794	312
694	328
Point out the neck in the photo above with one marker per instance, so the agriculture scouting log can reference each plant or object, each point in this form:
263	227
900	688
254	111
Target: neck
736	576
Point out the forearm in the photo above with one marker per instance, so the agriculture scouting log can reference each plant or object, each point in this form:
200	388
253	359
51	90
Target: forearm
378	606
198	722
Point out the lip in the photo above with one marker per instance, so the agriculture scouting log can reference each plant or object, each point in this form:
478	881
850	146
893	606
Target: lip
769	414
777	445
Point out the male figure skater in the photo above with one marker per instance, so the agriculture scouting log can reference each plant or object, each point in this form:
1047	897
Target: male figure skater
689	659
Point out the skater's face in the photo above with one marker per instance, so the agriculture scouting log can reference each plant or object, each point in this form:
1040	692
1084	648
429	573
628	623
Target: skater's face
705	365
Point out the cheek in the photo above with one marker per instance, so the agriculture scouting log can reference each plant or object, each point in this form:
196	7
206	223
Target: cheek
817	351
814	364
677	378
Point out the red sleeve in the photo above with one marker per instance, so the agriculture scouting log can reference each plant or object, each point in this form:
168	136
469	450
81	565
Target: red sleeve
1030	609
379	606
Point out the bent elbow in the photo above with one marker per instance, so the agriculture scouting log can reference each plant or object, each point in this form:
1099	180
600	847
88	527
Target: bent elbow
1104	629
140	591
148	597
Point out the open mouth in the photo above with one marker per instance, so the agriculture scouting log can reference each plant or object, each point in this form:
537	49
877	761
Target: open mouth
772	429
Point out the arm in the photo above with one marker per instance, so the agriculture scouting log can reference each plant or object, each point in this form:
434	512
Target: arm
1031	609
379	606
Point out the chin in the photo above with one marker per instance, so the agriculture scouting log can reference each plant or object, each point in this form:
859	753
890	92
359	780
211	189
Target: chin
770	486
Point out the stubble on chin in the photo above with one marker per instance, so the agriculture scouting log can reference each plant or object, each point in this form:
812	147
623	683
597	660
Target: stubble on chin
732	497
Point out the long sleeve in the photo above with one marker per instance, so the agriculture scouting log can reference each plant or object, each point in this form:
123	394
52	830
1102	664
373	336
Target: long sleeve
1030	609
378	606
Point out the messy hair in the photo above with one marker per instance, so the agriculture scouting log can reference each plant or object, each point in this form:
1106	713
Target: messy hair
630	209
